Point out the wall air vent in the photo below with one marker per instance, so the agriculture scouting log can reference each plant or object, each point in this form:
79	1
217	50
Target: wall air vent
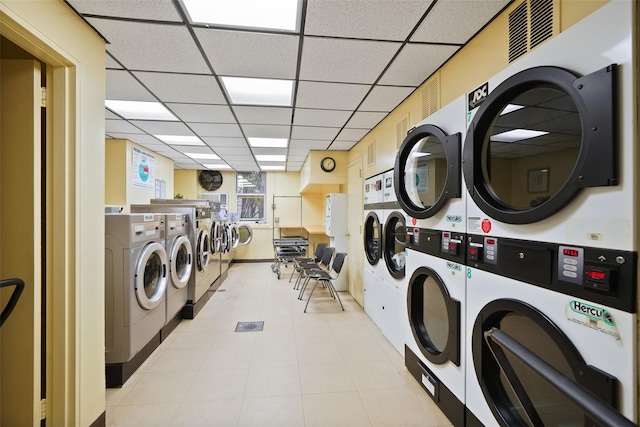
401	130
531	23
371	153
431	96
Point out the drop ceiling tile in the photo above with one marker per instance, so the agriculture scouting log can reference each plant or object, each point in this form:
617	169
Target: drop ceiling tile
202	113
385	98
315	132
263	115
345	61
140	139
365	119
187	165
266	131
342	145
456	21
416	63
299	151
215	142
163	128
156	10
120	126
331	96
328	118
294	166
110	115
112	63
121	85
233	151
354	135
296	157
236	158
210	129
247	54
151	47
183	87
295	144
389	20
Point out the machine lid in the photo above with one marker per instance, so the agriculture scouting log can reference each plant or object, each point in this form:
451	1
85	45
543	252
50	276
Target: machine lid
427	171
394	243
372	238
515	393
150	280
181	262
538	139
202	250
434	317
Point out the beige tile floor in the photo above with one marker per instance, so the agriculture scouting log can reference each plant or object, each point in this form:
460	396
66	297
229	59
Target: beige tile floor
323	368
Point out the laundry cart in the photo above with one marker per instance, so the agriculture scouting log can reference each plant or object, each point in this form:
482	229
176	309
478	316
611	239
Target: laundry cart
289	241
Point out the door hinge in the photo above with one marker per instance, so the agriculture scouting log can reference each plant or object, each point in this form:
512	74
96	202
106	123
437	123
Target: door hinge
43	409
44	97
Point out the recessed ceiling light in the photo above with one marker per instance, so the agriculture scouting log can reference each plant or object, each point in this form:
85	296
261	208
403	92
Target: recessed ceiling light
517	135
271	157
274	14
180	139
208	156
268	142
243	90
217	167
271	168
141	110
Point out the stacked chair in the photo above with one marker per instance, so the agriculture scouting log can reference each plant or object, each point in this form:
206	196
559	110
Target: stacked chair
306	268
326	278
297	262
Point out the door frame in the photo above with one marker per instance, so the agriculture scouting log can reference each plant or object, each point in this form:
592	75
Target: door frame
356	260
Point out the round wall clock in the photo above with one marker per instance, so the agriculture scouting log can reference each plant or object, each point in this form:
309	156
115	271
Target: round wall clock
328	164
210	180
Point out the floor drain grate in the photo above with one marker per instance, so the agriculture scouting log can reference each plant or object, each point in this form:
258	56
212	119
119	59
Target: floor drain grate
249	326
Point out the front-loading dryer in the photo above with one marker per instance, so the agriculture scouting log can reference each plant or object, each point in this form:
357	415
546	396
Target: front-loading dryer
136	277
180	252
204	254
372	239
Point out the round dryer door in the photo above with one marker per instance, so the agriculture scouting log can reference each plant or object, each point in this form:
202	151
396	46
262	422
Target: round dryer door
181	262
434	317
537	139
202	250
427	171
245	234
395	241
216	237
150	281
235	235
372	238
503	333
225	241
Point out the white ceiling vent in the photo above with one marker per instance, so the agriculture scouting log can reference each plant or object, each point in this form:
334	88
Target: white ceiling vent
401	130
531	23
371	153
431	96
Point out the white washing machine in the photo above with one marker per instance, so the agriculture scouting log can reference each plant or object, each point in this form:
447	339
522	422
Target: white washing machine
180	251
373	264
136	277
524	338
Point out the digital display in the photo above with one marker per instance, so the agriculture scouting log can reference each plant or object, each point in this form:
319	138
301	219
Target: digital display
596	275
445	234
571	252
490	241
473	251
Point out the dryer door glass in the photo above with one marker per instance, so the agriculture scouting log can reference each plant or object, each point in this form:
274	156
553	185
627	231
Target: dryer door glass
532	147
151	275
425	172
434	314
202	250
394	244
181	262
372	237
245	234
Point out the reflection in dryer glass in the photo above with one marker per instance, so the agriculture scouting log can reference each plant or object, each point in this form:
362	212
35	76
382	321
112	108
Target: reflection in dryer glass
399	243
152	274
532	147
182	261
552	406
434	314
426	172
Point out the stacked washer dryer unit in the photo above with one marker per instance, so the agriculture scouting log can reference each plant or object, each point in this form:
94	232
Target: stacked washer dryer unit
374	264
428	184
181	260
394	280
136	276
552	255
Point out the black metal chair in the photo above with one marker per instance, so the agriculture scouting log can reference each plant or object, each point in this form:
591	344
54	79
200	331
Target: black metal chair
323	265
327	278
317	255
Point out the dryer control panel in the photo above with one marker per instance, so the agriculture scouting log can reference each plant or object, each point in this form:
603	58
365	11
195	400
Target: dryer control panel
444	244
607	276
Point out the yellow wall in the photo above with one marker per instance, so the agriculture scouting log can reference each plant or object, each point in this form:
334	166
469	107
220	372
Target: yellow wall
185	182
51	31
116	172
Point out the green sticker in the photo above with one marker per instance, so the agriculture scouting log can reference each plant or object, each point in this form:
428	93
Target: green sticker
468	273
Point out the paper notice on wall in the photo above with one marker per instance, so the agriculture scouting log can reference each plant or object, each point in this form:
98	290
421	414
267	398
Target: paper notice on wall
143	169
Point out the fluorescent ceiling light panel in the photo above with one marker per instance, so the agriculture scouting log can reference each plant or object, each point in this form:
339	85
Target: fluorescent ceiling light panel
243	90
420	154
268	142
271	168
271	157
511	108
140	110
517	135
274	14
217	167
203	156
180	140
